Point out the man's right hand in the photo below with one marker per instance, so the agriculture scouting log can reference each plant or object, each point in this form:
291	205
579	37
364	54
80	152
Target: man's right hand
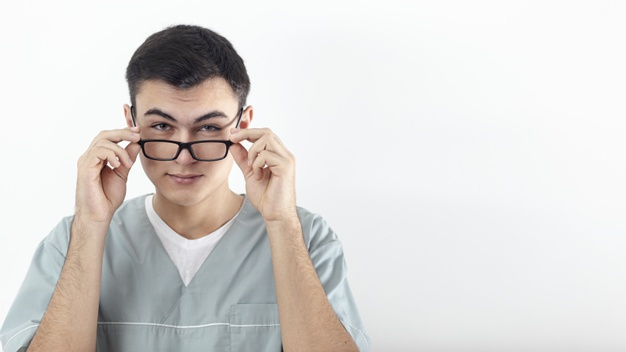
102	173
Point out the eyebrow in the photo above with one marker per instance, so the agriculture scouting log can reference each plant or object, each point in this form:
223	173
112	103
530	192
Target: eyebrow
210	115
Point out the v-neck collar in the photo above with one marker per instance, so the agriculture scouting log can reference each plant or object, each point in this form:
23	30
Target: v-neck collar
216	254
180	249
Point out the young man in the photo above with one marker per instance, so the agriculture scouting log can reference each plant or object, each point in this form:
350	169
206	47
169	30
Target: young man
194	266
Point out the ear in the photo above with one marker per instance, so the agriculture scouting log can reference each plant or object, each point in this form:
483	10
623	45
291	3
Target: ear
246	118
128	115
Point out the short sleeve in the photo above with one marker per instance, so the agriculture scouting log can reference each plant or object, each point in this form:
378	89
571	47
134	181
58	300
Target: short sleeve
327	256
36	290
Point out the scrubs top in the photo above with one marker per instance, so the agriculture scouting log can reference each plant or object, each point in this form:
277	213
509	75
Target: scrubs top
229	305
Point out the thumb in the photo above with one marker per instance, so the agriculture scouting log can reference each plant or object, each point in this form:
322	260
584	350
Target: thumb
132	149
240	154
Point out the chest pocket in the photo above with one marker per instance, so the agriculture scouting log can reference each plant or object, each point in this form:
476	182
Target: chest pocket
255	327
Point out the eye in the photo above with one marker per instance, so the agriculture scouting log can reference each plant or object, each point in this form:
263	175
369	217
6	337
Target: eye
210	128
161	126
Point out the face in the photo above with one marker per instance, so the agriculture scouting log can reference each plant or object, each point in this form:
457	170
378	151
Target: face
205	112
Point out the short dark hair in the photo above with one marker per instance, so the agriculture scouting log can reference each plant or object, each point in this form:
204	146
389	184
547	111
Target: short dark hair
185	56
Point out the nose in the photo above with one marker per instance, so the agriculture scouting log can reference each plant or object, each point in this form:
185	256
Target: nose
185	156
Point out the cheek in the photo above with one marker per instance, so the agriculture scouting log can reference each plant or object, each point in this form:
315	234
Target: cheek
217	172
150	167
218	169
228	162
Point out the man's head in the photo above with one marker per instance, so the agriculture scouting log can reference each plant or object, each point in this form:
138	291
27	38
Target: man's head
184	56
187	84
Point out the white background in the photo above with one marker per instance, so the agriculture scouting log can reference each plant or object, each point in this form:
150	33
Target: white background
469	154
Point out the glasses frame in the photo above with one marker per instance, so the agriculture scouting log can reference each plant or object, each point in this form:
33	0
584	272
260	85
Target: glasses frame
186	145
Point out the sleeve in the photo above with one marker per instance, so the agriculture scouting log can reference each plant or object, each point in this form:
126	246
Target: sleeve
34	294
327	256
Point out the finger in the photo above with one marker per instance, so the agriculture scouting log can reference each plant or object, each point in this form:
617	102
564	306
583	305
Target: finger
132	150
268	159
240	154
99	155
257	168
106	152
120	152
250	134
267	142
257	147
108	140
130	134
119	174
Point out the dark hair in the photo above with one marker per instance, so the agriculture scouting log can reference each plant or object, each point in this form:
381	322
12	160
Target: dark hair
185	56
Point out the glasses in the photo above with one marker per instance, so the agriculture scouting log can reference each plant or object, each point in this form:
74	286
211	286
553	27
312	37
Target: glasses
166	150
203	150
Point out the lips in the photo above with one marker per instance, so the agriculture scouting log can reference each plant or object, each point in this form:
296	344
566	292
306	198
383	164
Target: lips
184	179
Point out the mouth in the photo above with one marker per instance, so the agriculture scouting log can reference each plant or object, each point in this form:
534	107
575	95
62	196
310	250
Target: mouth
184	179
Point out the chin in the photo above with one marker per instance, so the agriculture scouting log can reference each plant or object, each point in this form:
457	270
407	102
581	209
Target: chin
182	198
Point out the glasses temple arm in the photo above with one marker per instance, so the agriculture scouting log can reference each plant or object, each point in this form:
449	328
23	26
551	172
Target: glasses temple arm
132	115
239	118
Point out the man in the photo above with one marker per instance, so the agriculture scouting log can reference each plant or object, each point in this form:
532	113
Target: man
193	266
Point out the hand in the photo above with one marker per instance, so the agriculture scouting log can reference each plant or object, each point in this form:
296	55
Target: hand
269	170
102	173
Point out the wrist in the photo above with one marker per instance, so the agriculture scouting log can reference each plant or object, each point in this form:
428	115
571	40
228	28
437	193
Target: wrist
284	228
286	220
85	230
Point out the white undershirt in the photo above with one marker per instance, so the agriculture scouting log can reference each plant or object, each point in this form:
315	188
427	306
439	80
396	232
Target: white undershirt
187	255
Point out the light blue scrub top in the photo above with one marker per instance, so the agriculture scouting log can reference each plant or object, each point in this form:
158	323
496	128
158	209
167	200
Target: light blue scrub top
230	305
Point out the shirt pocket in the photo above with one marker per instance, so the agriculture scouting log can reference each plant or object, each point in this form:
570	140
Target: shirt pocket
255	327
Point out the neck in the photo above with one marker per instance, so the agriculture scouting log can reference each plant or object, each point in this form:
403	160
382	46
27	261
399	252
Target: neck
198	220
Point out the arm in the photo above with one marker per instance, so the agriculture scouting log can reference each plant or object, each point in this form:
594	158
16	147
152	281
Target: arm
307	319
308	322
70	321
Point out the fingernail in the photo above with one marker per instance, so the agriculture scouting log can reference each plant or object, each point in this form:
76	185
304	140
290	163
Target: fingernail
234	130
134	129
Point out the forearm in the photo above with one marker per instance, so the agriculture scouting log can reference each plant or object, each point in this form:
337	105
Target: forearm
308	322
70	321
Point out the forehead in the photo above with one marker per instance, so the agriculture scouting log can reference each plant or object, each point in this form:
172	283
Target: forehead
212	94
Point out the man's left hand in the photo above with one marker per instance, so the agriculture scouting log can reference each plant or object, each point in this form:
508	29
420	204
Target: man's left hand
269	170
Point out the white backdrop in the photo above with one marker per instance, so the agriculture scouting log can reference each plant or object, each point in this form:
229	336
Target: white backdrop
469	154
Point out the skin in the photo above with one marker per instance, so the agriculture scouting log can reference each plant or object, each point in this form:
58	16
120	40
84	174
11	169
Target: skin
184	189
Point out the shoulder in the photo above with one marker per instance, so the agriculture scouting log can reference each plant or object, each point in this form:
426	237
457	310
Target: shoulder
132	209
58	238
129	224
315	229
311	221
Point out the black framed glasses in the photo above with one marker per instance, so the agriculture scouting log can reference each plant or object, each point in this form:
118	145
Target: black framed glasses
202	150
167	150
